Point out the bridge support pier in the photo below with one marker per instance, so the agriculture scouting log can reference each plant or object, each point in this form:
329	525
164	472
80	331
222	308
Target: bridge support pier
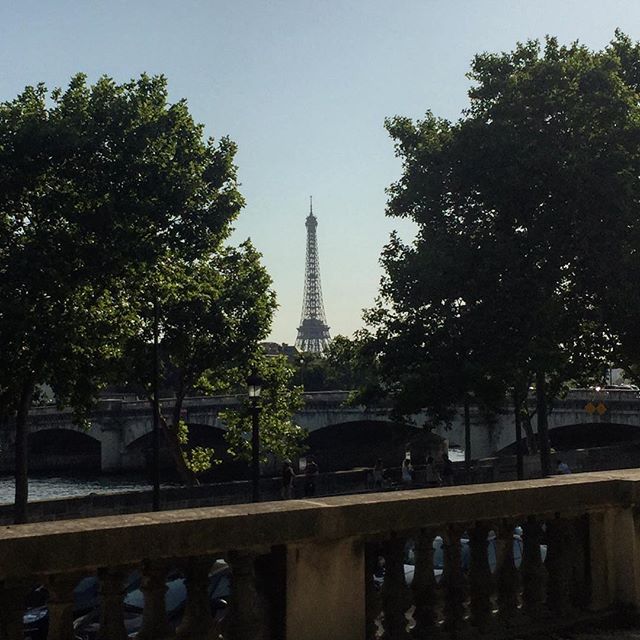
110	454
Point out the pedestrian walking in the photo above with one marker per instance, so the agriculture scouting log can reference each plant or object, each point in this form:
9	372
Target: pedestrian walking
447	470
433	478
378	474
311	474
288	475
407	472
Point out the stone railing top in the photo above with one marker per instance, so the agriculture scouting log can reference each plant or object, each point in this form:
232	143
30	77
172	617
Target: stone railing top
319	398
622	395
133	405
85	545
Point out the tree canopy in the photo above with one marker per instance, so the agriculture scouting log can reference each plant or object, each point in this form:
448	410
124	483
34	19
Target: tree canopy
107	194
520	206
279	400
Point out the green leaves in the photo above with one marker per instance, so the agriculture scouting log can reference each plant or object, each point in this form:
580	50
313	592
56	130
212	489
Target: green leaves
279	435
520	206
110	195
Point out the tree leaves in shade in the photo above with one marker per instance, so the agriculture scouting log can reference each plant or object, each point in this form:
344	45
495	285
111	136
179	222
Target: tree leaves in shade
345	365
213	313
519	206
98	185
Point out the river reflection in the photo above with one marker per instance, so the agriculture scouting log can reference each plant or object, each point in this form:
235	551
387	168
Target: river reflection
53	487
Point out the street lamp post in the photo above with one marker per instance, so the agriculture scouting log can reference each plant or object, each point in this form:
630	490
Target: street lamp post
156	411
254	387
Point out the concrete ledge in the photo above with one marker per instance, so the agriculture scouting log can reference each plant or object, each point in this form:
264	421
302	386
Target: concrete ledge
64	546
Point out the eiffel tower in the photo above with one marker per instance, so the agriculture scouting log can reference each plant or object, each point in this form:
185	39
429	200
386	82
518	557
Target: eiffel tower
313	332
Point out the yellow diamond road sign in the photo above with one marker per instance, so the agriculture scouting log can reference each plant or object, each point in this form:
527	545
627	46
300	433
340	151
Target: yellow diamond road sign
590	408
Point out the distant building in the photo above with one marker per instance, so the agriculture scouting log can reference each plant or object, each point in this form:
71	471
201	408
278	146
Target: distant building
275	349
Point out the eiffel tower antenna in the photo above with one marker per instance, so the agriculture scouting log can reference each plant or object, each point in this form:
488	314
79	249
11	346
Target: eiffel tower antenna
313	332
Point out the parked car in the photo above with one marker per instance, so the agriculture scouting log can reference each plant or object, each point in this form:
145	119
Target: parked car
36	618
465	556
87	627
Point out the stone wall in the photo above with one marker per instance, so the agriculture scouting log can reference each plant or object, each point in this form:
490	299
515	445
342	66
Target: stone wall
576	539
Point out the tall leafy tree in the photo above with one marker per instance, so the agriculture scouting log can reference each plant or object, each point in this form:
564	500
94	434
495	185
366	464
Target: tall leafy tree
97	185
345	364
213	312
617	245
514	210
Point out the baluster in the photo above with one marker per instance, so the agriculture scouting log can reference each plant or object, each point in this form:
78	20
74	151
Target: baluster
480	579
580	528
61	606
559	564
111	604
12	596
197	624
533	571
373	604
155	625
424	588
248	616
508	575
454	583
394	591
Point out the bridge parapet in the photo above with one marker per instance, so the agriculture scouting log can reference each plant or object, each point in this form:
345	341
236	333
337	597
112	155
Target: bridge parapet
311	569
132	419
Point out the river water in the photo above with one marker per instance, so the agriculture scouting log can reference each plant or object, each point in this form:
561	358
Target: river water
53	487
56	486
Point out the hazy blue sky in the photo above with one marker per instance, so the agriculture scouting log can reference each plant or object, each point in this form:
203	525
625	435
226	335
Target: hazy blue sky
303	87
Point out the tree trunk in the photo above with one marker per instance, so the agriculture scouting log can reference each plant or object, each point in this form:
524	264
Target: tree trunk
173	443
177	406
21	453
543	425
467	438
517	406
531	442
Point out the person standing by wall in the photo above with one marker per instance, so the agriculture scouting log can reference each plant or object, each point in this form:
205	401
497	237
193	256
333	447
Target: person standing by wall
447	470
432	478
407	473
311	474
288	474
378	475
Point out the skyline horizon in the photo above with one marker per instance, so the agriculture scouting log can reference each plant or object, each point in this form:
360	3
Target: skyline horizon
303	89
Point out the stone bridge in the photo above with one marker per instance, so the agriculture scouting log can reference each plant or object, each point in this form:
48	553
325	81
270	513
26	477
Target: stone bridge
120	428
583	416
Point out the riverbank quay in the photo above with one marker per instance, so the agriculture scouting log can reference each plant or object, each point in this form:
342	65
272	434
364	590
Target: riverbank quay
172	498
304	568
353	481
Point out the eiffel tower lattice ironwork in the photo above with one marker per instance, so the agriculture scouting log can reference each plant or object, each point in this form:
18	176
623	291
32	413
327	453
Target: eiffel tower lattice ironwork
313	332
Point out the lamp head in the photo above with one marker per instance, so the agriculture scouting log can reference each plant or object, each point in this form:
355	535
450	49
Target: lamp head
254	384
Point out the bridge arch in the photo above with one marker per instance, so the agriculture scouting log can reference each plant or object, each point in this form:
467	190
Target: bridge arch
587	435
359	443
138	453
57	448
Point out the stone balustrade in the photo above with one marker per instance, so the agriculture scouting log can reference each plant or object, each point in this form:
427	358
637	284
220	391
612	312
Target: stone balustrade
541	552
